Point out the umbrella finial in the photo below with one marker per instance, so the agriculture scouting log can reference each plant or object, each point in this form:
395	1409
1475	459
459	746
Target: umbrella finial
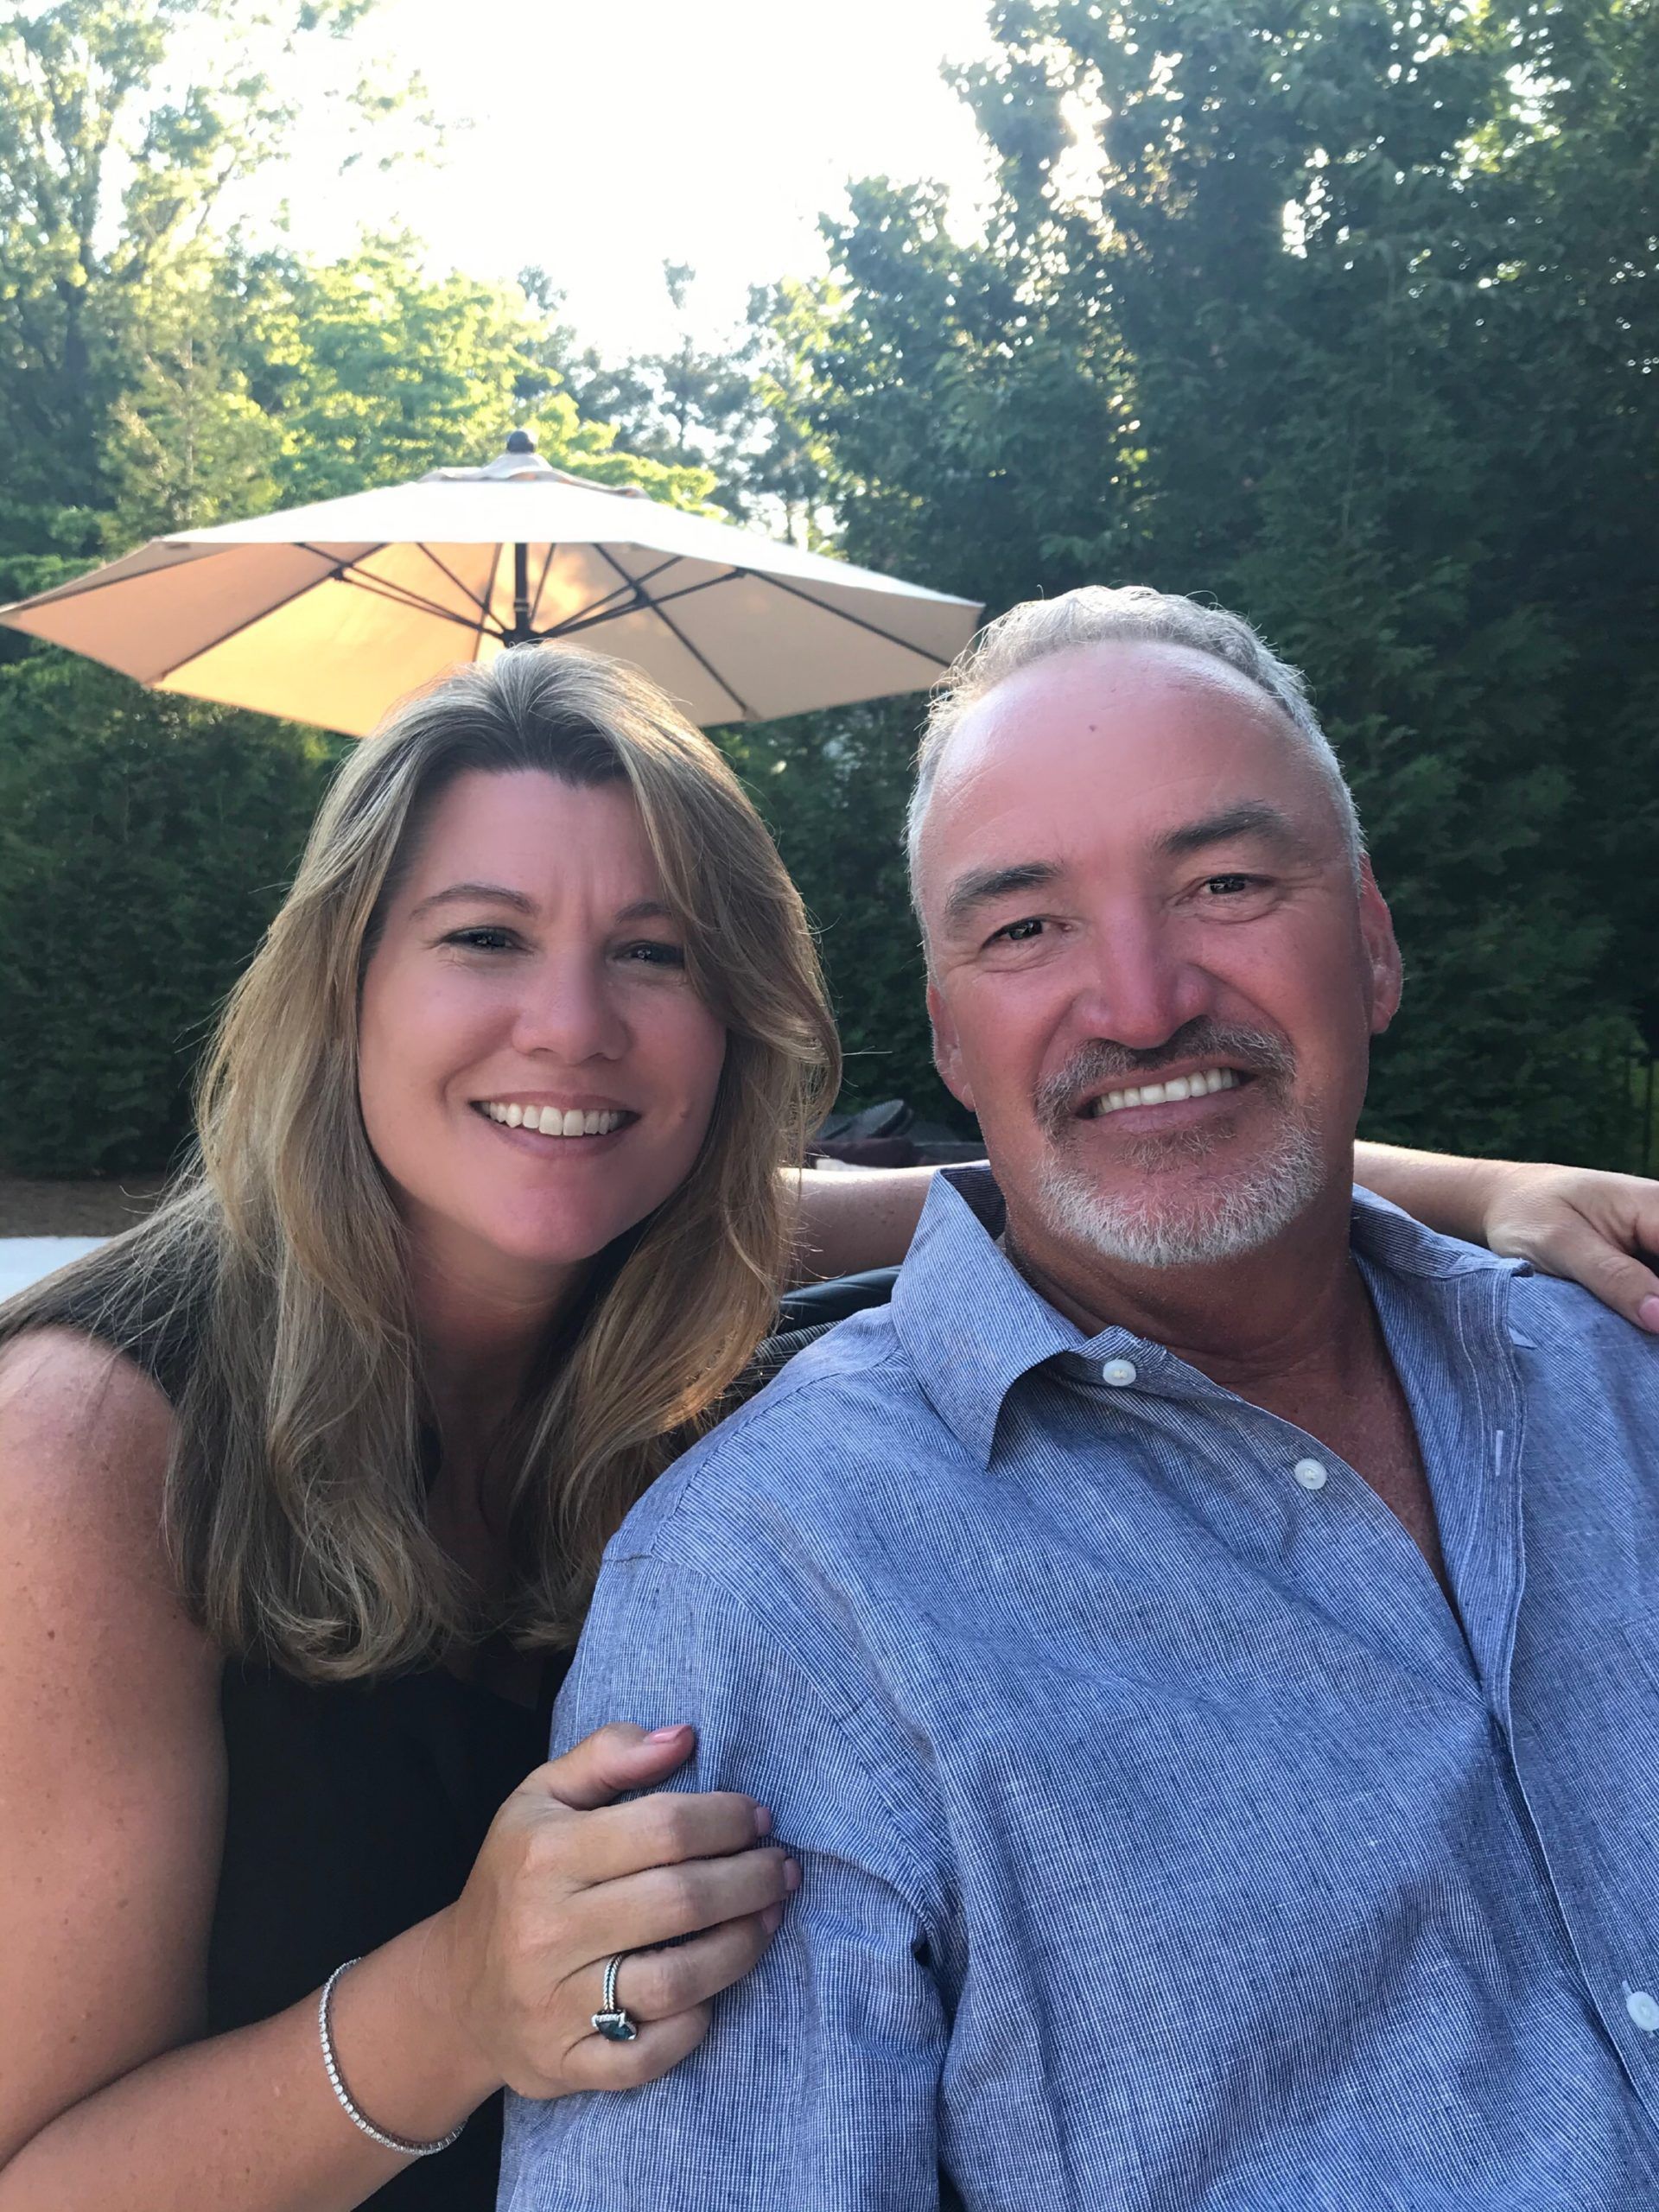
521	441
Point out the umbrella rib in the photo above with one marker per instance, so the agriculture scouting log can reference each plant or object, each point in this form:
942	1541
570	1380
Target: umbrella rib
378	589
843	616
347	572
443	568
541	581
641	603
675	631
601	610
237	628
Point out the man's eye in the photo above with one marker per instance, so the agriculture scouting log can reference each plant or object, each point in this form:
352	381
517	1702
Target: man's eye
1018	933
1229	886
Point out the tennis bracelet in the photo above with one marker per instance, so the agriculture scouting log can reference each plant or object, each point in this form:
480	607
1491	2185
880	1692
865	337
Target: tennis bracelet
325	2035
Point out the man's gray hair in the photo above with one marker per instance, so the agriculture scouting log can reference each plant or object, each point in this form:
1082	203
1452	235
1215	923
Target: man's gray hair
1132	614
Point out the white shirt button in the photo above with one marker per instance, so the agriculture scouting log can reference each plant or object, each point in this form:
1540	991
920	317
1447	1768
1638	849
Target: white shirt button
1309	1474
1119	1373
1644	2010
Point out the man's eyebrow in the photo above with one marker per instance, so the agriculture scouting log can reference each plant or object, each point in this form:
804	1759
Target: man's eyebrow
1251	818
982	884
495	894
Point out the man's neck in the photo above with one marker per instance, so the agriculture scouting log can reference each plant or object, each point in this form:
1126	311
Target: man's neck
1278	1325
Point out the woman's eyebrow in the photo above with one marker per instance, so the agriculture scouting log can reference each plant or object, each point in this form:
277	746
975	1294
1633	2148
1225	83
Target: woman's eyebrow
497	894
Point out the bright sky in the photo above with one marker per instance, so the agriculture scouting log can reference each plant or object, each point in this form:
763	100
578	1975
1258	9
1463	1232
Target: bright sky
601	141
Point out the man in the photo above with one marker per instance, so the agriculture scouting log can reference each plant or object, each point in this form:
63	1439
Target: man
1200	1641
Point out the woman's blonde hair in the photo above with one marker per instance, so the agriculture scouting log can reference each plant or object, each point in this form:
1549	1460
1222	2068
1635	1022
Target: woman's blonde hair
296	1495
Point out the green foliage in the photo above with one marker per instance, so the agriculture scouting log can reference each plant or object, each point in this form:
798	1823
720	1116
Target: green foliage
1344	314
153	377
833	788
144	842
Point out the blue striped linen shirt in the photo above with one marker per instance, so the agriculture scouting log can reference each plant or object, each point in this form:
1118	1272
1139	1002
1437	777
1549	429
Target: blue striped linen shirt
1166	1844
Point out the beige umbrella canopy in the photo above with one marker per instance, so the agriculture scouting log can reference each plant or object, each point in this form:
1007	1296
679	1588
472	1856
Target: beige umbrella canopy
330	613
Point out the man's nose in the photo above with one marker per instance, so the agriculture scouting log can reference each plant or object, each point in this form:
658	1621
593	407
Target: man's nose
1138	987
569	1011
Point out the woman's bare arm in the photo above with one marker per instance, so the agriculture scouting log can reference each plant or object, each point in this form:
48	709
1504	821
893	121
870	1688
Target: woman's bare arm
112	1793
852	1218
1587	1223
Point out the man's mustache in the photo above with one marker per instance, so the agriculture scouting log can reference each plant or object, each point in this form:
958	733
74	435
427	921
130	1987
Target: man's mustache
1104	1062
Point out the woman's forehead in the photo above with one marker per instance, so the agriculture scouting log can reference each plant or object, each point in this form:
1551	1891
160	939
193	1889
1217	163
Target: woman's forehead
533	832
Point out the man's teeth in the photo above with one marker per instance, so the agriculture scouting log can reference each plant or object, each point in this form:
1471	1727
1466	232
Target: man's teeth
550	1121
1167	1094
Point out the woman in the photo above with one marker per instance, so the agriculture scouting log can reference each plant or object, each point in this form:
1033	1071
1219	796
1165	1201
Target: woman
305	1480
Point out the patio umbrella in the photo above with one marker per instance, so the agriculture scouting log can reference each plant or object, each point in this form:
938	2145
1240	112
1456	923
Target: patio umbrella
328	613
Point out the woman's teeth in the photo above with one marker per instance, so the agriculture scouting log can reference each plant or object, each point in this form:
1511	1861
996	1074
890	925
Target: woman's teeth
552	1121
1166	1093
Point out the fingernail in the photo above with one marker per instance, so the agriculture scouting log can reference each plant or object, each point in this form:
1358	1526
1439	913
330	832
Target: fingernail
1648	1314
762	1819
773	1919
791	1875
662	1735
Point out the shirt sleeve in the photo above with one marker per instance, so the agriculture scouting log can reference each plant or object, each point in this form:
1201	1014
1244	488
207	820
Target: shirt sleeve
818	2082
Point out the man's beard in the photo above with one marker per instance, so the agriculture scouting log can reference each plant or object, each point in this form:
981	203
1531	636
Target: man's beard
1194	1221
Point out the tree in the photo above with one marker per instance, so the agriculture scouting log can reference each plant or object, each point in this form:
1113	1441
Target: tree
154	375
1258	314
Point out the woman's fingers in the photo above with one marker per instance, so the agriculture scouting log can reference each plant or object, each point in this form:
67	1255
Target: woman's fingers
667	1995
1591	1227
656	1985
666	1902
614	1759
663	1830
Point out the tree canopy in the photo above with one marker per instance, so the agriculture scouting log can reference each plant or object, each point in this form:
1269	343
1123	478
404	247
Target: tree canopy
1342	312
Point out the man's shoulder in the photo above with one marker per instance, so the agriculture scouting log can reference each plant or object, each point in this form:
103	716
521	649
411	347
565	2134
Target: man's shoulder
808	1450
1572	1337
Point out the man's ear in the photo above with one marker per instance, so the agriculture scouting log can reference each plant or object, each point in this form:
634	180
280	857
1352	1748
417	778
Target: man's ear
1381	952
947	1048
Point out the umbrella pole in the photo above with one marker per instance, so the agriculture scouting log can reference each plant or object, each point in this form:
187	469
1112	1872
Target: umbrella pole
521	633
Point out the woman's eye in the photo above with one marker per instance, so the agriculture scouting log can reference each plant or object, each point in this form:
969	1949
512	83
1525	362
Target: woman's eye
483	938
1020	932
650	952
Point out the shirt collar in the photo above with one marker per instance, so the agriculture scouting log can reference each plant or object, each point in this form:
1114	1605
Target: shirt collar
972	1325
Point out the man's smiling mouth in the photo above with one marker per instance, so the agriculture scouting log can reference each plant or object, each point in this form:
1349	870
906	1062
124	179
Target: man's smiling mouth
1202	1083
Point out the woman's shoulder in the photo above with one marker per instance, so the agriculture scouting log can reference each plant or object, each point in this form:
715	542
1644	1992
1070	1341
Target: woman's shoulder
85	1435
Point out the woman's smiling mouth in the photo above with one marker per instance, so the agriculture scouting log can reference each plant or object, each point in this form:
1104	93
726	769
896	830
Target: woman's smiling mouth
552	1121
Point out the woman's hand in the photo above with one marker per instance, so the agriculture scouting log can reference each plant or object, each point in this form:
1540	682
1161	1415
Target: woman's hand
566	1878
1585	1224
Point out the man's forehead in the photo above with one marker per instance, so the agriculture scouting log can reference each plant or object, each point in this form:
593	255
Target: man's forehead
1111	690
1151	731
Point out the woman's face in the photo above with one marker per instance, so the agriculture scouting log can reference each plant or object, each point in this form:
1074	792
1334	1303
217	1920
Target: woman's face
536	1073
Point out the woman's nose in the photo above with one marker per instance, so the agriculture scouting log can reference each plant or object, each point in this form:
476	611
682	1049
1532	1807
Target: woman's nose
569	1013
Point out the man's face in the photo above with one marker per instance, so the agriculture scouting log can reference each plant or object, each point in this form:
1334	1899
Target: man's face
1132	877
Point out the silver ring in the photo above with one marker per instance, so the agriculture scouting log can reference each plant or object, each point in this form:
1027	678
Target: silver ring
612	2022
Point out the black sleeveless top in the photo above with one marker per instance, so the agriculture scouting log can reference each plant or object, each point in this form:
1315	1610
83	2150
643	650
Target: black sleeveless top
355	1809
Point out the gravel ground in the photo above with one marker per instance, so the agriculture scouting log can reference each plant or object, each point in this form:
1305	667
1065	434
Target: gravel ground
48	1209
